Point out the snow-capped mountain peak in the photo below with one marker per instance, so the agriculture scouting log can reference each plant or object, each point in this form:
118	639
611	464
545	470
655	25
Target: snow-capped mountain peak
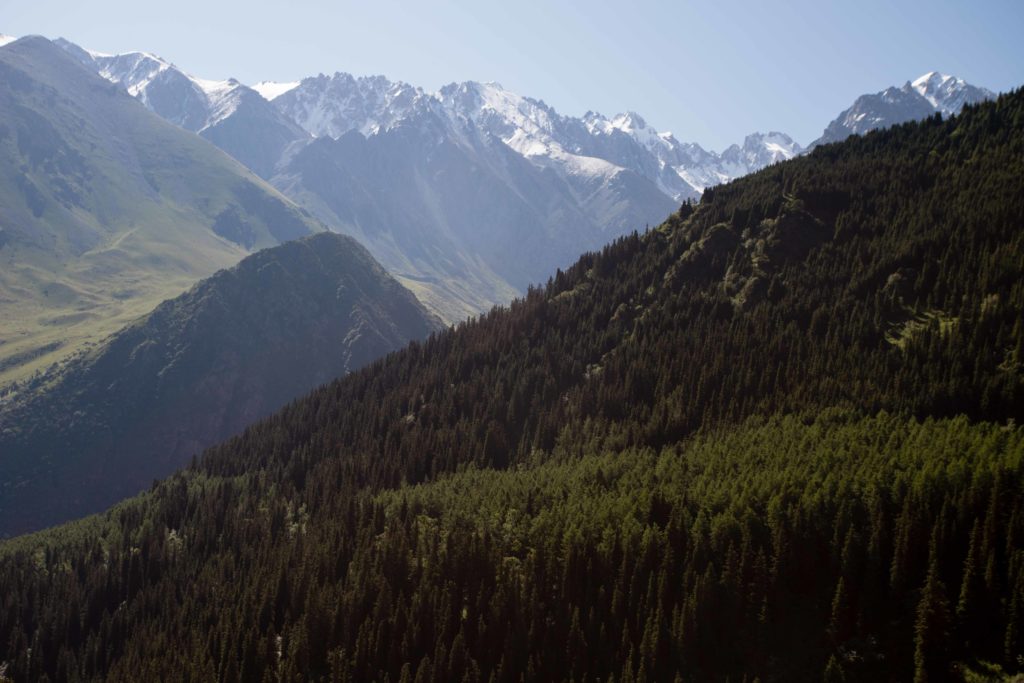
134	70
526	125
628	122
932	80
334	105
933	92
633	125
5	39
231	115
592	147
757	151
190	102
947	94
770	148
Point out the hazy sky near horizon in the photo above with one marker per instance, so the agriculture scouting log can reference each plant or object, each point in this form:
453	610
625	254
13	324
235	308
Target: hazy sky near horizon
710	72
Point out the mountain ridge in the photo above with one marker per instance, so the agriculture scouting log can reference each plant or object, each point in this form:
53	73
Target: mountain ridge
944	93
313	104
529	126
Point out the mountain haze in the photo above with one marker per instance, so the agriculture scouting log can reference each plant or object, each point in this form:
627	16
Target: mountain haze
196	370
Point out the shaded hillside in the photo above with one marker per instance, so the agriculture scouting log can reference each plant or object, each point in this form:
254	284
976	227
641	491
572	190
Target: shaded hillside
196	370
605	484
106	210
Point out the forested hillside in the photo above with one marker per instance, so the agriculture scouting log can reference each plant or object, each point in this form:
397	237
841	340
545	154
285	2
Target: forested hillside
775	438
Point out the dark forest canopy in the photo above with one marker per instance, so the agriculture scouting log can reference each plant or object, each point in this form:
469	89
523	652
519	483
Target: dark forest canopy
774	438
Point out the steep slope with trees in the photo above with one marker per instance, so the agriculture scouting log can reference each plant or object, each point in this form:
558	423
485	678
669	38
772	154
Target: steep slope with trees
775	437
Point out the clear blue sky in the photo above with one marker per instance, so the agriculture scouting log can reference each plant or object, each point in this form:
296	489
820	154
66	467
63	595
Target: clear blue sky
710	72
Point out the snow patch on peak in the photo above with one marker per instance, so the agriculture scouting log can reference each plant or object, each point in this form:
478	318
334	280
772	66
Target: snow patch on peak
271	90
593	167
5	39
96	54
629	121
945	93
922	82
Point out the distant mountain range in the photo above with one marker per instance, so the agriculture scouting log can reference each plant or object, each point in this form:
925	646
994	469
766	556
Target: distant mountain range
196	370
467	195
334	105
470	194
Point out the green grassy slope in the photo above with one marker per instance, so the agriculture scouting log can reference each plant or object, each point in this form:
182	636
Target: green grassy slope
774	438
105	209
